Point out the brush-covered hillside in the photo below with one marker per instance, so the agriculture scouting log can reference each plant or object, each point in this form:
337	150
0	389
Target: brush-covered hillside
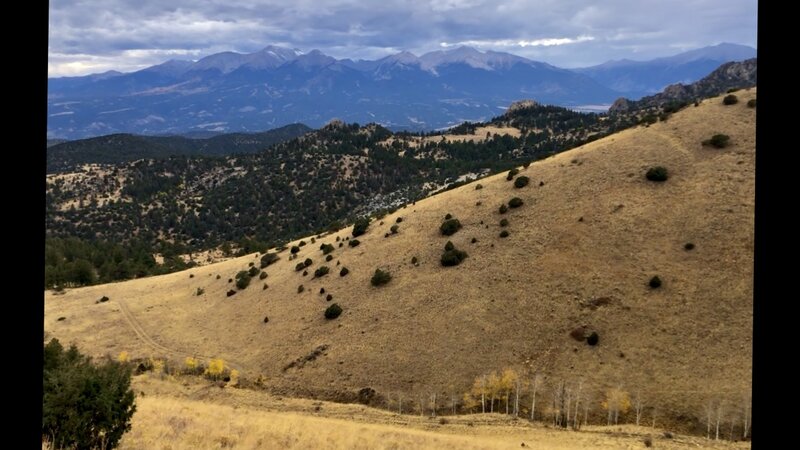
580	253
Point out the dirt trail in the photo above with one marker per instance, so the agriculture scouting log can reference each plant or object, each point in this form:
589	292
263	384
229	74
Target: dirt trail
137	328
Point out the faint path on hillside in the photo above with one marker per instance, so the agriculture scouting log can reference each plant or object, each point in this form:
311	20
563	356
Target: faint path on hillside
137	328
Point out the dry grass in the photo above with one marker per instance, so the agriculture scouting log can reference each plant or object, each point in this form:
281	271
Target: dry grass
513	301
197	417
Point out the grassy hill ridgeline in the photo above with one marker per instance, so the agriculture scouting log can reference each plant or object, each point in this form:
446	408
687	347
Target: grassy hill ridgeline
568	297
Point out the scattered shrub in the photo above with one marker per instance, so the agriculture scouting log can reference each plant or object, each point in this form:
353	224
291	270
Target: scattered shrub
329	297
448	216
360	226
200	291
243	282
504	233
265	287
328	258
219	276
478	186
380	277
474	240
751	103
341	244
61	318
449	246
414	260
515	202
657	173
511	174
191	275
526	164
300	289
593	339
333	311
730	100
655	282
354	243
503	208
230	280
386	235
321	271
344	271
504	223
313	241
450	226
648	442
253	271
394	229
688	246
231	292
299	267
294	249
266	319
453	257
718	141
578	334
262	275
399	219
541	183
103	299
305	272
268	259
322	290
521	182
308	262
327	248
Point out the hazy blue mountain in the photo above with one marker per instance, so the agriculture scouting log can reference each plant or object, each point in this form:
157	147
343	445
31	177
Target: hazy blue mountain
639	78
233	92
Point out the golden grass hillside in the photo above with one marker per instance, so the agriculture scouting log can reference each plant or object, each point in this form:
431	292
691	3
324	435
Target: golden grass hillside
581	250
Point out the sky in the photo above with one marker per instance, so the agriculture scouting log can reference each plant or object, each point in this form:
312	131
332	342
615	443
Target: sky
92	36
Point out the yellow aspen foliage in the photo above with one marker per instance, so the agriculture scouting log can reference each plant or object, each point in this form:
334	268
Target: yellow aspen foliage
215	368
234	376
123	357
190	363
507	379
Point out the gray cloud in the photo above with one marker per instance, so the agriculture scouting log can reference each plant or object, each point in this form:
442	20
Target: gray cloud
97	35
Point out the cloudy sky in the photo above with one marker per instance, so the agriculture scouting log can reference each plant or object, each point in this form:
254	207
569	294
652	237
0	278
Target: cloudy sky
89	36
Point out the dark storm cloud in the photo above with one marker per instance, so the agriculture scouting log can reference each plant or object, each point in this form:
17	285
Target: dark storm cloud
96	35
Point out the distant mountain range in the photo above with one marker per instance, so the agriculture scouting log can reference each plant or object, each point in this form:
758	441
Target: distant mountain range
233	92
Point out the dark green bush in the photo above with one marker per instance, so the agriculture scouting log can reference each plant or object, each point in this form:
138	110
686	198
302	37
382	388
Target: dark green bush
730	100
231	292
504	233
399	219
448	216
478	186
657	173
353	242
300	266
688	246
504	223
327	248
751	103
103	299
511	174
655	282
200	291
268	259
344	271
300	289
262	275
593	339
515	202
321	271
503	209
301	243
308	262
450	226
253	271
414	260
84	405
453	257
394	229
449	246
328	297
294	249
521	182
333	311
360	226
328	258
718	141
380	277
243	282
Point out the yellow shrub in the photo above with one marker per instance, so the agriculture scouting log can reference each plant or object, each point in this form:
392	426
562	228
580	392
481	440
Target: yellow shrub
215	368
191	363
123	357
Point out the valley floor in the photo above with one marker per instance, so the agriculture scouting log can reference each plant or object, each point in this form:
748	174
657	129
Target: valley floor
188	413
